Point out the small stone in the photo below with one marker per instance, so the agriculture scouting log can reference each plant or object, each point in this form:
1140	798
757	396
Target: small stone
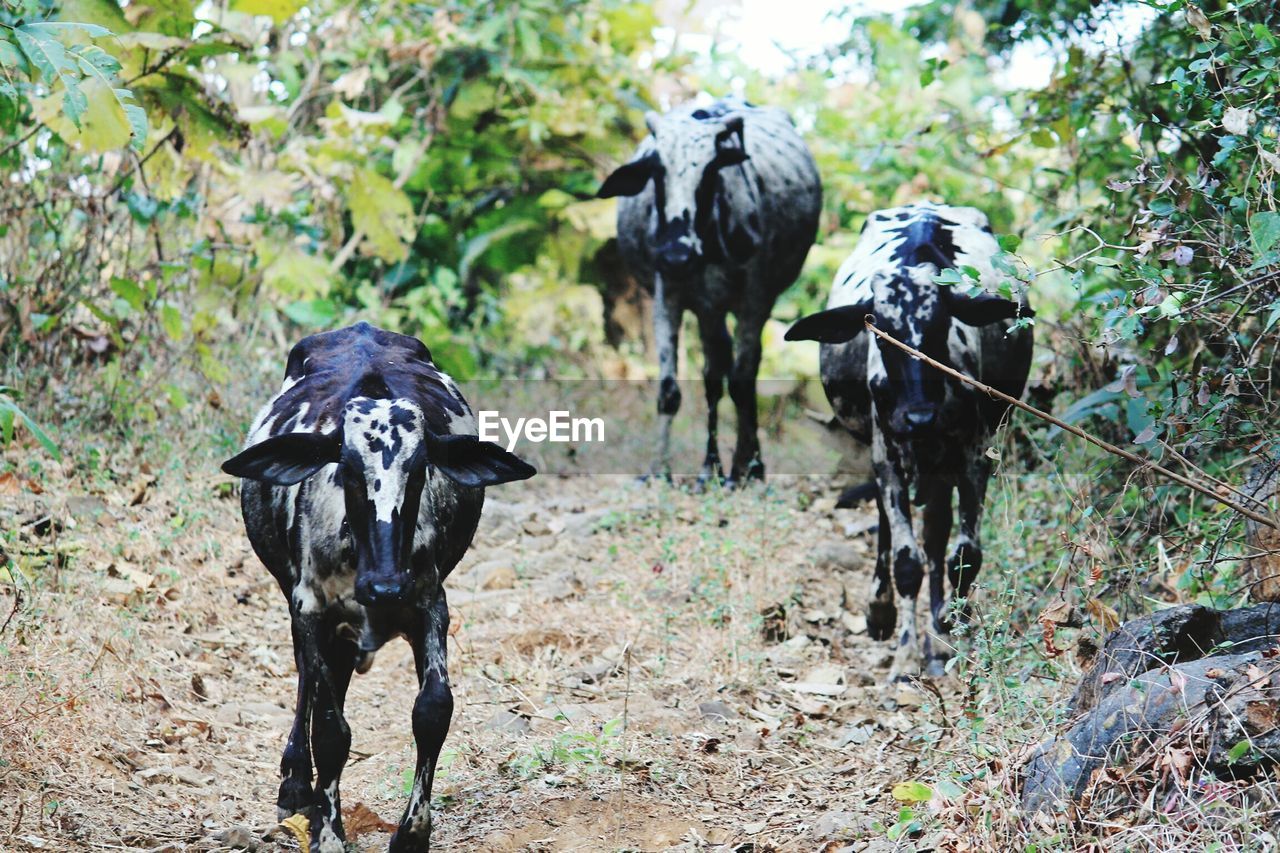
834	825
237	838
836	555
497	575
716	710
508	721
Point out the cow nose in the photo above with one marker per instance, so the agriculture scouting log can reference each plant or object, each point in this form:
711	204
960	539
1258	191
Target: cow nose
372	592
675	256
921	418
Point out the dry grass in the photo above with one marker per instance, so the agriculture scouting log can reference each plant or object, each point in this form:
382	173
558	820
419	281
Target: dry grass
148	680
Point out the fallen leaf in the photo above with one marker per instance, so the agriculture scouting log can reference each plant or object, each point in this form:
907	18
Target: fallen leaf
912	792
300	827
359	820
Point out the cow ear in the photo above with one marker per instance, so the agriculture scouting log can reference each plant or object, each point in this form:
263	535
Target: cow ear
630	178
286	459
831	327
468	461
984	309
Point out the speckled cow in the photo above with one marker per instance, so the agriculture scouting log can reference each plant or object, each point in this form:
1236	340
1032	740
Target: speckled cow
363	484
927	431
720	206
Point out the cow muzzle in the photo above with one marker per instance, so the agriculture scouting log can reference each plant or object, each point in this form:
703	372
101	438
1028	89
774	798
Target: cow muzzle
382	589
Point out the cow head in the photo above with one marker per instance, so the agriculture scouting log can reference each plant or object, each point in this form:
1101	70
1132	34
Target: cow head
917	399
382	452
686	158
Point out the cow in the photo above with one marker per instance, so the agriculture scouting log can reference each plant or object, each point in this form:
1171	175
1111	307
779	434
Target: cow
719	206
929	433
363	485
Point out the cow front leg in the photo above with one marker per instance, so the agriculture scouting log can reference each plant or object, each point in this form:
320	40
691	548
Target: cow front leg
882	613
966	559
717	352
330	742
907	558
296	792
667	312
432	711
936	523
747	464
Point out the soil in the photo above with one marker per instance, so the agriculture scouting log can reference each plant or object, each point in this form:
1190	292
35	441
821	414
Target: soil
634	667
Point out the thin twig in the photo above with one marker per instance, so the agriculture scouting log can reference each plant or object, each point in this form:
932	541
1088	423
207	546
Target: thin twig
1074	430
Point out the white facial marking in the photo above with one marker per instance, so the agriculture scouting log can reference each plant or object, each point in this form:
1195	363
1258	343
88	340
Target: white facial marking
386	435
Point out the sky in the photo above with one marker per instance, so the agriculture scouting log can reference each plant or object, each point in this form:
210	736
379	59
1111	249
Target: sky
765	37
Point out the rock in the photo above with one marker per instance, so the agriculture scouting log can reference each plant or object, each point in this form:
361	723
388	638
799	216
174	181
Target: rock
715	710
237	838
836	555
536	527
856	735
583	523
508	721
866	524
834	825
496	575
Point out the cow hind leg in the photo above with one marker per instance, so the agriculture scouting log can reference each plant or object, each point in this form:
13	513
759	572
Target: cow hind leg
717	350
432	711
330	743
882	613
937	529
747	464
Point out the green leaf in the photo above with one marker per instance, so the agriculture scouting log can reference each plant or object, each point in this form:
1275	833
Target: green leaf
1238	751
1264	229
45	52
129	292
69	28
171	322
1009	242
317	313
912	792
278	10
7	404
383	212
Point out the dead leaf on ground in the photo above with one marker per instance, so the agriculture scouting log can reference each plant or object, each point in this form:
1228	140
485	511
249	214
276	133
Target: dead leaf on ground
300	827
359	820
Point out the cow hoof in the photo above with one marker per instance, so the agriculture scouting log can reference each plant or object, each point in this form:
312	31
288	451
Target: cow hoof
709	476
415	840
295	797
882	618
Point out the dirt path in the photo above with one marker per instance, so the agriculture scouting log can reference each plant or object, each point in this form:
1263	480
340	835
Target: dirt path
617	686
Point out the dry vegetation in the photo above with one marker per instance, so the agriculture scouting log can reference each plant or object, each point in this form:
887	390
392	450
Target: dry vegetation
636	668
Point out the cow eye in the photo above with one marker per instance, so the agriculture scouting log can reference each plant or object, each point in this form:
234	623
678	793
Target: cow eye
701	115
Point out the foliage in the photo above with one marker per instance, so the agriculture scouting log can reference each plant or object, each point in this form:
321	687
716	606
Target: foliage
178	170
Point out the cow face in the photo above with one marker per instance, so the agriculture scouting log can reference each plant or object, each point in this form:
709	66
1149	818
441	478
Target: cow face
693	224
383	453
914	400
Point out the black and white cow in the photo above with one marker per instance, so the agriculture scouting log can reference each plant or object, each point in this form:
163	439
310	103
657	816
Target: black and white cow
363	484
929	433
720	206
